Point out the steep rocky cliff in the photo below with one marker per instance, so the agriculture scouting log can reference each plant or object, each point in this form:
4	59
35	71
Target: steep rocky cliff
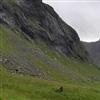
36	41
40	21
94	50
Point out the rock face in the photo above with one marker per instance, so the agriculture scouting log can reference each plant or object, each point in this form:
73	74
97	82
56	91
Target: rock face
37	42
94	50
40	21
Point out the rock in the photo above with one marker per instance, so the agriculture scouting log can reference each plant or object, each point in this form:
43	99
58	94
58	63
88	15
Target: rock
1	60
82	80
93	49
48	26
48	72
60	89
39	36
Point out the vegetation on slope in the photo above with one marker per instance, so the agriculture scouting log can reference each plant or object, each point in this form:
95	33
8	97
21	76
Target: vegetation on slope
46	48
36	58
40	21
18	87
35	41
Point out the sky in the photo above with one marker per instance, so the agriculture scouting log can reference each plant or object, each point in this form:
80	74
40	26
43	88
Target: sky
82	15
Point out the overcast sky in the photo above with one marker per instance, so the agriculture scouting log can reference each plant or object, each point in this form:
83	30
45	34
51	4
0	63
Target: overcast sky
82	15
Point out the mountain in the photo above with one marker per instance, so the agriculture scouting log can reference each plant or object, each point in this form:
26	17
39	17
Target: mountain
35	41
40	21
94	50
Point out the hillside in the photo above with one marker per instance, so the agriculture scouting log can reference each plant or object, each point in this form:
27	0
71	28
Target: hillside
39	53
94	50
40	22
35	41
30	88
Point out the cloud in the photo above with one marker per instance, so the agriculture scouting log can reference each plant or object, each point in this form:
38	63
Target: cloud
84	17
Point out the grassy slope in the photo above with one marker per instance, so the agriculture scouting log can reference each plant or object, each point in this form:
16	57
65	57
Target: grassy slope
21	50
17	87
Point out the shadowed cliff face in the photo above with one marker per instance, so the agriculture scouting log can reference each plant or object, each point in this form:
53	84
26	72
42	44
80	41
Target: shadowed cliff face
94	50
40	21
37	42
29	2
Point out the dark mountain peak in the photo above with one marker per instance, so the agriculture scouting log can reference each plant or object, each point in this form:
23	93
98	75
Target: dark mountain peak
37	42
29	2
33	1
98	40
94	50
40	21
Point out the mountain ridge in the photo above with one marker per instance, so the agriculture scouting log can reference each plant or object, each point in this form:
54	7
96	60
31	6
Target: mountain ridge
51	27
37	42
94	50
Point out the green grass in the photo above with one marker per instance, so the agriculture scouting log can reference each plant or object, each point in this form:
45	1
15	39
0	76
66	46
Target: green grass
81	80
22	51
78	67
18	87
